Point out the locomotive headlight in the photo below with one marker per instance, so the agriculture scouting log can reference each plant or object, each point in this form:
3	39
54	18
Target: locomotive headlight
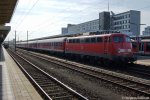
123	50
129	50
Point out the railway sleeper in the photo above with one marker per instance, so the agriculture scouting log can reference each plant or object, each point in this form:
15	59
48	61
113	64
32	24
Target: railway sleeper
67	97
58	94
148	90
37	76
132	85
56	90
114	80
47	85
125	83
42	79
119	81
52	88
141	88
42	82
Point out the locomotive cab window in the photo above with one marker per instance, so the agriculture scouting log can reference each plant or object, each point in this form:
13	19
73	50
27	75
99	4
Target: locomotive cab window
134	44
118	39
128	39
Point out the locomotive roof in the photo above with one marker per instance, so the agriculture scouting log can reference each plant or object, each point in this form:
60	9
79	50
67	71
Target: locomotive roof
43	41
101	35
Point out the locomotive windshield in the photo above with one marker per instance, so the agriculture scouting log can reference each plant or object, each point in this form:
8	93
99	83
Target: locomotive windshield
118	39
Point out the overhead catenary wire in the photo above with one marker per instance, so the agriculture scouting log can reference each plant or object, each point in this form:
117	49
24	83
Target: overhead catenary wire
55	23
18	19
26	15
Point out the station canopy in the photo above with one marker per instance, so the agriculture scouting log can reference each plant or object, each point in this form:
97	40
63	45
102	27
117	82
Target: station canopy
6	11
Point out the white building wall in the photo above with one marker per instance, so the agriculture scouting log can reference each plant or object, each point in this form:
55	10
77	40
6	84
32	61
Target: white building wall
126	22
90	26
146	31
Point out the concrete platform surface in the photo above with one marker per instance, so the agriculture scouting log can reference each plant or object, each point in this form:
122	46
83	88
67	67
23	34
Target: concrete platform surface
13	83
143	60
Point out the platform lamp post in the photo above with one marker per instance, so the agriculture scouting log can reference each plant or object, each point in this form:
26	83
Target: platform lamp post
15	40
27	39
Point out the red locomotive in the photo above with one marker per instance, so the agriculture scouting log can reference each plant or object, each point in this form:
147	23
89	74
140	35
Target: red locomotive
107	47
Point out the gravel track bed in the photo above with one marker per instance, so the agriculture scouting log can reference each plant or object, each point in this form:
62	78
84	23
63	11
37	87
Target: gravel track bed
56	90
86	85
123	68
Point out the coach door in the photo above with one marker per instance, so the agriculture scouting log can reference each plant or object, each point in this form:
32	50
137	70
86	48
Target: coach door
141	47
106	44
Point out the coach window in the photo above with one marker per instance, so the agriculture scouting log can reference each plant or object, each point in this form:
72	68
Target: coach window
70	41
99	39
82	40
93	40
148	46
73	41
87	40
78	41
118	39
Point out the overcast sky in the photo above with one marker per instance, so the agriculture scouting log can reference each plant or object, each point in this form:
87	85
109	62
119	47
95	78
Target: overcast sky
46	17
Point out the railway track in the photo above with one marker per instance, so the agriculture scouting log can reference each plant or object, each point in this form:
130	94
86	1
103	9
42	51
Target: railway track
139	70
128	83
48	86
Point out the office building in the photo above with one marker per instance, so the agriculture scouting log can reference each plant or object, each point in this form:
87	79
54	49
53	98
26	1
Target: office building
146	31
126	22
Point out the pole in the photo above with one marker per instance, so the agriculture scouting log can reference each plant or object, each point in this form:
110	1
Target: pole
8	40
27	39
15	41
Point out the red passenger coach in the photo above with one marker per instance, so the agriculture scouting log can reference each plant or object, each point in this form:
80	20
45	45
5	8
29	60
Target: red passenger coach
53	45
114	47
146	47
142	47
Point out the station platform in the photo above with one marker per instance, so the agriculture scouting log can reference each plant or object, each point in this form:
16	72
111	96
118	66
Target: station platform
13	83
143	60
